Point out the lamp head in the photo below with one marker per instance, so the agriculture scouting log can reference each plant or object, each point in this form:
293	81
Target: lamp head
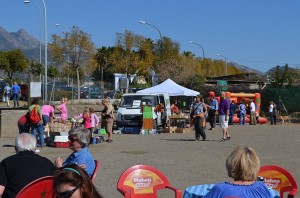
142	22
26	1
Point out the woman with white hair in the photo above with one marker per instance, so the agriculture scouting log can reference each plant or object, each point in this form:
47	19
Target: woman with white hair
18	170
79	141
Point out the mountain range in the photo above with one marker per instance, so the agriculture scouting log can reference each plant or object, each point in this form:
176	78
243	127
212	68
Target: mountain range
20	40
31	47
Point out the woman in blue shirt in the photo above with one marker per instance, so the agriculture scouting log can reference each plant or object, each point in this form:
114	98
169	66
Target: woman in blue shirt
242	165
79	140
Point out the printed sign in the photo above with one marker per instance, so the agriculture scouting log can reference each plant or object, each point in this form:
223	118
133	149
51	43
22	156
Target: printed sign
136	103
274	179
142	181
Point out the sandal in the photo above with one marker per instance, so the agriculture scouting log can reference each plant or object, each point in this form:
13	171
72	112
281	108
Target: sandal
222	140
228	138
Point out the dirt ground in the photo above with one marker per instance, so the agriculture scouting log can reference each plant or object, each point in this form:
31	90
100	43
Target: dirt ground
184	161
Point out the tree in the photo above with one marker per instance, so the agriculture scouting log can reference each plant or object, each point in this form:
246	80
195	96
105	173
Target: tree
13	61
79	49
35	68
53	72
281	76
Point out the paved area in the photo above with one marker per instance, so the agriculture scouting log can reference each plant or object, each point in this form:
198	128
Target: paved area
184	161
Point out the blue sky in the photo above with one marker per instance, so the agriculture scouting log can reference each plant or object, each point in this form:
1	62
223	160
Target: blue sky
256	33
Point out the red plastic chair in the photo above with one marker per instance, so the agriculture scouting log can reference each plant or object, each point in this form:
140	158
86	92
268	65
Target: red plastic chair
97	162
143	181
38	188
278	178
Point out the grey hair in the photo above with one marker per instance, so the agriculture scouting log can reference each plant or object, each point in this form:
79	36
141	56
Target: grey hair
25	142
83	135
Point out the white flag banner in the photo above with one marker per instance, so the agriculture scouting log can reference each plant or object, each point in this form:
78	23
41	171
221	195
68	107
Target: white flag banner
35	89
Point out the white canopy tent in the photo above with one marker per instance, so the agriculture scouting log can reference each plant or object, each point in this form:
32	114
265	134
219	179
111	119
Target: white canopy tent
170	87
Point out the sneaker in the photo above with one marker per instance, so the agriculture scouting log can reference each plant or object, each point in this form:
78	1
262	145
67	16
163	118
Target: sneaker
37	150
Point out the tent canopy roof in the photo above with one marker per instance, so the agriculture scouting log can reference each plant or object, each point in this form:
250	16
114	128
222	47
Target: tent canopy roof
170	87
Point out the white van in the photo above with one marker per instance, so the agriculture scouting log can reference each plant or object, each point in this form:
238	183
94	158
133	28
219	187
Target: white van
129	111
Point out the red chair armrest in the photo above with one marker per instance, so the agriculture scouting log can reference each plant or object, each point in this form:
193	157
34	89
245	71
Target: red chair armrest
293	193
178	193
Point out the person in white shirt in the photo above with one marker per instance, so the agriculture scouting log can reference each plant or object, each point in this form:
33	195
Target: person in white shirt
271	112
252	113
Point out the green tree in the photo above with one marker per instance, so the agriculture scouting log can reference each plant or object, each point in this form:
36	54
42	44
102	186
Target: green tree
13	61
53	72
79	49
35	68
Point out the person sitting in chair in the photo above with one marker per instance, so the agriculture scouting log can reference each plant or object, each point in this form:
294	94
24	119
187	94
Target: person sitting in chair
242	165
24	167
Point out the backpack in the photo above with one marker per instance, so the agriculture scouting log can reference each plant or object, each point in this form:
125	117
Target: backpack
34	117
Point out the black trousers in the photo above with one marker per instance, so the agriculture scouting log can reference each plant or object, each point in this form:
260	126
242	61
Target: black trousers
212	118
199	129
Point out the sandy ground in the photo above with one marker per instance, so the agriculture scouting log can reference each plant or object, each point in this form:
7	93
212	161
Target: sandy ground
184	161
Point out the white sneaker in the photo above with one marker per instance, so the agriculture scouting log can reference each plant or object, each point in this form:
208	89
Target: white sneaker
37	150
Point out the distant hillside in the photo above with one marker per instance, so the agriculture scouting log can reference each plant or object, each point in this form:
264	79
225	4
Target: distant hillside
245	68
20	40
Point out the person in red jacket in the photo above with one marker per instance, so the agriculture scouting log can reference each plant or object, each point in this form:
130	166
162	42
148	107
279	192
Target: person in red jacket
23	123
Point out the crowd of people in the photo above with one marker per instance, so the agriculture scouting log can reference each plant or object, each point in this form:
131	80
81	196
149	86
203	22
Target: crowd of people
72	178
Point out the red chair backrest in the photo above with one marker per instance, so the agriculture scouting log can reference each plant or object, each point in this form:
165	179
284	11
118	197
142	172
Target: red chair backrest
142	181
97	163
278	178
38	188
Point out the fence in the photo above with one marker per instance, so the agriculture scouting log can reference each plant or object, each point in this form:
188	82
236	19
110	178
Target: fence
289	97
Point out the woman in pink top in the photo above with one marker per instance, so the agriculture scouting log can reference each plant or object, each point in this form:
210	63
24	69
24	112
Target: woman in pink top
62	108
47	113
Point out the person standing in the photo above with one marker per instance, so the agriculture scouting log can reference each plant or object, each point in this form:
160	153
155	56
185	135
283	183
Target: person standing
252	113
232	110
6	94
37	127
242	113
94	119
62	108
275	112
213	109
223	116
108	118
47	113
16	91
198	113
25	166
271	112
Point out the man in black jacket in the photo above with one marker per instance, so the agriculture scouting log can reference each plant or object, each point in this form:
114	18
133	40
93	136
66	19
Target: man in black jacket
24	167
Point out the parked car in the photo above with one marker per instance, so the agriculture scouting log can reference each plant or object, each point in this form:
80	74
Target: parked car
91	92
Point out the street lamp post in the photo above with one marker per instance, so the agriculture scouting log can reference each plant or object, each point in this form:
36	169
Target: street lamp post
199	46
225	62
27	2
161	41
46	53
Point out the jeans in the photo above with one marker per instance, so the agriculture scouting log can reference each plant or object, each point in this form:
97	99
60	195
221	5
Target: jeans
271	117
40	129
46	119
7	100
230	122
212	118
243	119
16	99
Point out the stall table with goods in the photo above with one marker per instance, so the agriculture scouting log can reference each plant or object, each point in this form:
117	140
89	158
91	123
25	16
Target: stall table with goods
179	124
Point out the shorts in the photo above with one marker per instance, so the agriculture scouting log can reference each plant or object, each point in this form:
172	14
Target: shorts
223	123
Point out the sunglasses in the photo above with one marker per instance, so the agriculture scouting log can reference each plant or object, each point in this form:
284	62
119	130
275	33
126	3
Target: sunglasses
67	193
72	139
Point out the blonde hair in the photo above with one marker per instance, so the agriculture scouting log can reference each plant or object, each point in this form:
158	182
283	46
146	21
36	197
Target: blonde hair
243	164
